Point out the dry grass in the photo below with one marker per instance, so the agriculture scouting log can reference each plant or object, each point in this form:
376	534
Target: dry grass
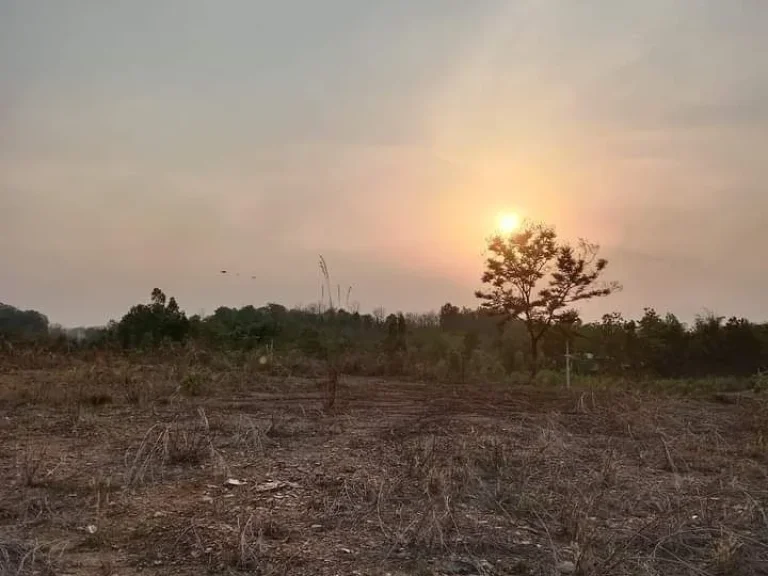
248	550
22	558
171	445
30	464
132	471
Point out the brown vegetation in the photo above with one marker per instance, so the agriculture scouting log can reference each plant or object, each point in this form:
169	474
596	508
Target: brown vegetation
193	465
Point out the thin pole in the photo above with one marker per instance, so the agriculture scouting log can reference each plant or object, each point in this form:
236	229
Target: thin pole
567	364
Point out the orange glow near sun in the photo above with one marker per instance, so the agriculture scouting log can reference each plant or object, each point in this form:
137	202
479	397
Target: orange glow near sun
508	222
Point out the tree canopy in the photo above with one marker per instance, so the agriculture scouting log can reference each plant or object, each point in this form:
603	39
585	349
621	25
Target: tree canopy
150	324
22	324
534	277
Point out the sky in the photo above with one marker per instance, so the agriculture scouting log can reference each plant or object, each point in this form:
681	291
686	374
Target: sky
150	143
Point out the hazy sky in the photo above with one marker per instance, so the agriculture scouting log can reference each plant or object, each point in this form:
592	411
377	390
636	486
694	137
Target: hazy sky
152	143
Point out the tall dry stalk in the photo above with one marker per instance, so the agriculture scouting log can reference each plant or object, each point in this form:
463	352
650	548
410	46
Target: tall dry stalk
332	341
327	284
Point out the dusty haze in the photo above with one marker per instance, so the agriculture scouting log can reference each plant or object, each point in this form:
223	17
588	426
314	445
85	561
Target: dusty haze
154	143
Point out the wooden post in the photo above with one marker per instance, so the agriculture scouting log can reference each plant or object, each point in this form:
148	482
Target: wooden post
567	363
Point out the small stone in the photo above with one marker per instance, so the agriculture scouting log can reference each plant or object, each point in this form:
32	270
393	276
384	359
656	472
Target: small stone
275	485
566	567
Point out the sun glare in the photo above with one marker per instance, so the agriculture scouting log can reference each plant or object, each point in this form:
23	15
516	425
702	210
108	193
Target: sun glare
508	222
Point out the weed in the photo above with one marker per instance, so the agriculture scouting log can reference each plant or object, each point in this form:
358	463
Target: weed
134	391
331	387
183	446
148	460
249	435
81	418
20	558
30	464
194	383
247	552
725	552
102	488
173	444
609	471
760	382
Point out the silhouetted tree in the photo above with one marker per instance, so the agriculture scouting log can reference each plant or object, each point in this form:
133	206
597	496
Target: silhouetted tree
613	341
448	316
534	277
397	330
22	324
742	347
663	344
151	324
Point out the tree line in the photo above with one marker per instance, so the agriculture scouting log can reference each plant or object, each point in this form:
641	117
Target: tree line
22	324
455	338
527	315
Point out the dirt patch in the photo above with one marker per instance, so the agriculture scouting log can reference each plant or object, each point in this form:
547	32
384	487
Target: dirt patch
118	471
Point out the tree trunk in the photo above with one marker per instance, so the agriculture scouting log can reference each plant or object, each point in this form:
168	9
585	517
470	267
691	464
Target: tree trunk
534	358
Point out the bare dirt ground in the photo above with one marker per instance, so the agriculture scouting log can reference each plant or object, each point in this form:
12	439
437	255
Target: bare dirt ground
114	469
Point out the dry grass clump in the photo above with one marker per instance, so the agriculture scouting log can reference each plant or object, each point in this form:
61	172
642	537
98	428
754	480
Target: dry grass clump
25	558
593	505
240	545
248	550
249	435
172	444
134	390
30	463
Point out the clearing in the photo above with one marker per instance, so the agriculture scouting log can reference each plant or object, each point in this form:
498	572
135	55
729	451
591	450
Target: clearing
116	469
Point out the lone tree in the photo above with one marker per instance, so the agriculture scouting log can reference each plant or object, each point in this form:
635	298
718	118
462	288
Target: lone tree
534	277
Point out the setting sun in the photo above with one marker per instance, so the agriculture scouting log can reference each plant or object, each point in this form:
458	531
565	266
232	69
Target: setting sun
508	222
